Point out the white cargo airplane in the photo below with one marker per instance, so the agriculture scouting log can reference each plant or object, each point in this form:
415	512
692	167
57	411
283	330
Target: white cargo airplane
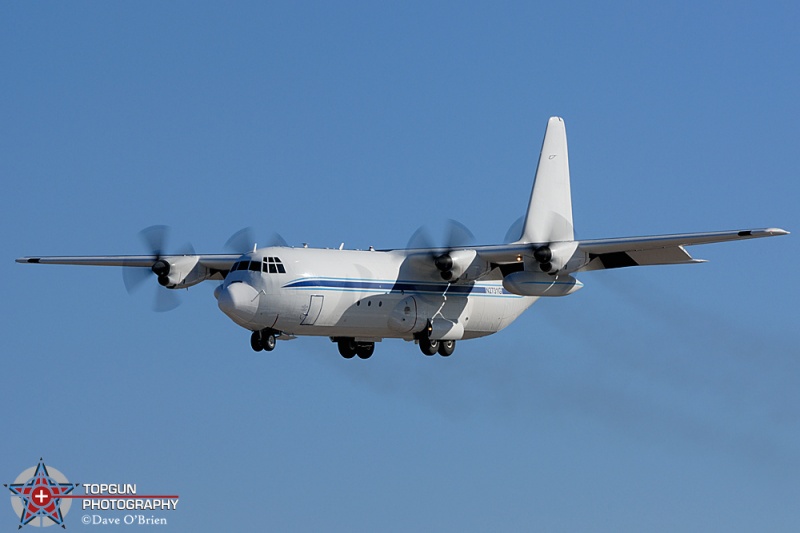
432	295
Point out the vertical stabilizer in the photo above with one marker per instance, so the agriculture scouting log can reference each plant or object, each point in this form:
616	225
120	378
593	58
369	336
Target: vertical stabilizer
549	217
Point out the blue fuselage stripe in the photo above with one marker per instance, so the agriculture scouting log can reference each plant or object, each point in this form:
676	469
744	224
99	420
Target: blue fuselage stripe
352	285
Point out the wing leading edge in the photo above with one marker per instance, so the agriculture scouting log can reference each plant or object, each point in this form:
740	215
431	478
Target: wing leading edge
173	271
212	261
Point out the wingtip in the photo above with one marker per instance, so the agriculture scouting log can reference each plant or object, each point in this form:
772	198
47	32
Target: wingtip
777	231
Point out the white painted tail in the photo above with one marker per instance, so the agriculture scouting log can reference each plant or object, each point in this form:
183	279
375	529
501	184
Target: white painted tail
549	217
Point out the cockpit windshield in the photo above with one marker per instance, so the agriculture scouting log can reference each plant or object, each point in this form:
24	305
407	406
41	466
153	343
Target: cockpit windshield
271	265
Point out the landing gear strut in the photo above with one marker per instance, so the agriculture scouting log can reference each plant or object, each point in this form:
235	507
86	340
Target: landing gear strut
263	340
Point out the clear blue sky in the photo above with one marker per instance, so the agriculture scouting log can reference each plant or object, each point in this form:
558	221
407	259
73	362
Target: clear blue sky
655	399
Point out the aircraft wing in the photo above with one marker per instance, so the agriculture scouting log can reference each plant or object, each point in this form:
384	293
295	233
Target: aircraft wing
660	249
629	251
174	271
211	261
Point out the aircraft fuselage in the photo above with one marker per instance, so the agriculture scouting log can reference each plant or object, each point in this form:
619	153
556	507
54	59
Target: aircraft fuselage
362	295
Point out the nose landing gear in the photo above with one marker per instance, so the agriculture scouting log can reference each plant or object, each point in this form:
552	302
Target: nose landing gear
263	340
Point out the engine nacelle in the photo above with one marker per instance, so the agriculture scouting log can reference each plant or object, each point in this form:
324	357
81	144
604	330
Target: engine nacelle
560	257
461	265
526	283
178	272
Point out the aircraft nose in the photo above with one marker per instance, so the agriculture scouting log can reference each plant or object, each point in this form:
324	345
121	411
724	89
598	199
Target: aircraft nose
239	301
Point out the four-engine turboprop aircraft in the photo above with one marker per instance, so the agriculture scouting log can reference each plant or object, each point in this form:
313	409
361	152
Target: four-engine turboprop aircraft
433	295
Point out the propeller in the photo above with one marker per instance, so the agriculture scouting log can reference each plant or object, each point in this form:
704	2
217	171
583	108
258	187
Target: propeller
514	231
456	235
543	256
244	241
154	238
553	228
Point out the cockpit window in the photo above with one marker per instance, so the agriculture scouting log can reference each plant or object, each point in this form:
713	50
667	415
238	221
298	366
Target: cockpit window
255	266
273	265
243	265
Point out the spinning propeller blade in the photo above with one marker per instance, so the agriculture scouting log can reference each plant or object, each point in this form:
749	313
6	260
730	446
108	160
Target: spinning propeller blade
244	241
456	236
154	238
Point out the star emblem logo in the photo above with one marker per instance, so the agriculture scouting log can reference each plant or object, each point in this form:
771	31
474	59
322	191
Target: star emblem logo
39	496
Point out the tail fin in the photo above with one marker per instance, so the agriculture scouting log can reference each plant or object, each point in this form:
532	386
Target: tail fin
549	217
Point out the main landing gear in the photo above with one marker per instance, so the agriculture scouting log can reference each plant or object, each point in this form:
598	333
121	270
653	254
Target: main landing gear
349	348
263	340
431	347
266	339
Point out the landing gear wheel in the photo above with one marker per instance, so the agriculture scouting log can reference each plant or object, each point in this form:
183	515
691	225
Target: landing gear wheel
365	349
268	342
446	348
255	341
428	346
347	348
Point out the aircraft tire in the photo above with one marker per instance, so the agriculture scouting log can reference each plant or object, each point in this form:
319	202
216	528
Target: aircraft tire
428	346
446	348
255	341
268	342
365	350
347	348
